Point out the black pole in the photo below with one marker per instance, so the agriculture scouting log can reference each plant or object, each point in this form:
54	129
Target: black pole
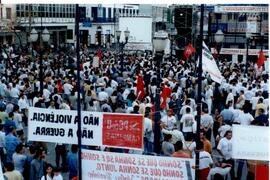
158	58
199	100
261	32
41	60
246	70
171	46
78	91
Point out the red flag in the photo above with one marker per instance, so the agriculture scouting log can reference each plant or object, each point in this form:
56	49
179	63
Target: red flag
166	93
140	87
99	56
261	59
215	55
189	50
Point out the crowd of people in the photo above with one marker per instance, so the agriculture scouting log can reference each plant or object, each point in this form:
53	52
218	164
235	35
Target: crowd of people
241	98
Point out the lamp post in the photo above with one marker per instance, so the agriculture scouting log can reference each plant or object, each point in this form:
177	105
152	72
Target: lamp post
118	34
173	33
99	30
126	33
159	42
248	36
219	37
45	37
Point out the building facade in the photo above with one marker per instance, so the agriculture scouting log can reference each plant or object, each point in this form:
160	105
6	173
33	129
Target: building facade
7	22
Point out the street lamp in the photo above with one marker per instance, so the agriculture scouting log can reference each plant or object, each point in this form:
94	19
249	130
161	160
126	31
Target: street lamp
118	34
219	37
248	36
126	33
45	37
159	43
99	35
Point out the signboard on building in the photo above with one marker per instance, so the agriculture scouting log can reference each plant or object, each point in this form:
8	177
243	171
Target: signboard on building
247	139
232	51
51	125
225	9
107	165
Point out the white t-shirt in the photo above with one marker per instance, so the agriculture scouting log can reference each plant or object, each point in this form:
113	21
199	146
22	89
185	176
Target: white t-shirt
169	121
245	119
207	120
205	160
14	92
225	146
187	120
103	96
67	88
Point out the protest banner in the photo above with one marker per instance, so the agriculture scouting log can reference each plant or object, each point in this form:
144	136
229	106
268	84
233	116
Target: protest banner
51	125
107	165
209	65
122	130
250	142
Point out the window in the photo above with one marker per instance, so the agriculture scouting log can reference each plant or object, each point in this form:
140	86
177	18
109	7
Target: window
69	34
230	16
8	11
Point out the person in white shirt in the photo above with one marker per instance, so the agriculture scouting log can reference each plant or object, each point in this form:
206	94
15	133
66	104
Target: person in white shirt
187	121
230	97
225	149
57	174
245	118
14	93
148	133
207	123
208	98
169	120
206	161
102	95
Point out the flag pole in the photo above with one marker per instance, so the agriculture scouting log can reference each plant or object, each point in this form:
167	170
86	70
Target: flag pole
199	98
77	31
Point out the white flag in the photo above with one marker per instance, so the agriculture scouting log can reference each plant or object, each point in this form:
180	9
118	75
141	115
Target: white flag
209	65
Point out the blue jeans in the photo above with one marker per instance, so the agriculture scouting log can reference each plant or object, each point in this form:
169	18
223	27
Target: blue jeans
148	146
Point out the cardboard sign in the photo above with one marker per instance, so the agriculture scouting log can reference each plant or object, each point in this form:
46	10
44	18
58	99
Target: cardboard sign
107	165
50	125
250	142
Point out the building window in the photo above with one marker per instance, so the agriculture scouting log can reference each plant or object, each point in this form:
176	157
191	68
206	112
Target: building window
69	34
230	16
8	11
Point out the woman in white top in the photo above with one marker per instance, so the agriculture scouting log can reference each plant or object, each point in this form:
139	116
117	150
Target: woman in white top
49	173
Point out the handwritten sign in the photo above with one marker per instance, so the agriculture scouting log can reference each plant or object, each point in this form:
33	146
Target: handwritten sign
107	165
122	130
250	142
119	130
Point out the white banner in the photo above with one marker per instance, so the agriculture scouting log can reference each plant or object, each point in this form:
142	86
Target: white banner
250	142
107	165
233	51
224	9
209	65
97	128
60	126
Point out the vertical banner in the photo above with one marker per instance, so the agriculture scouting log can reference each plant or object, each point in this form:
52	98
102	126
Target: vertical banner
250	142
122	131
107	165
